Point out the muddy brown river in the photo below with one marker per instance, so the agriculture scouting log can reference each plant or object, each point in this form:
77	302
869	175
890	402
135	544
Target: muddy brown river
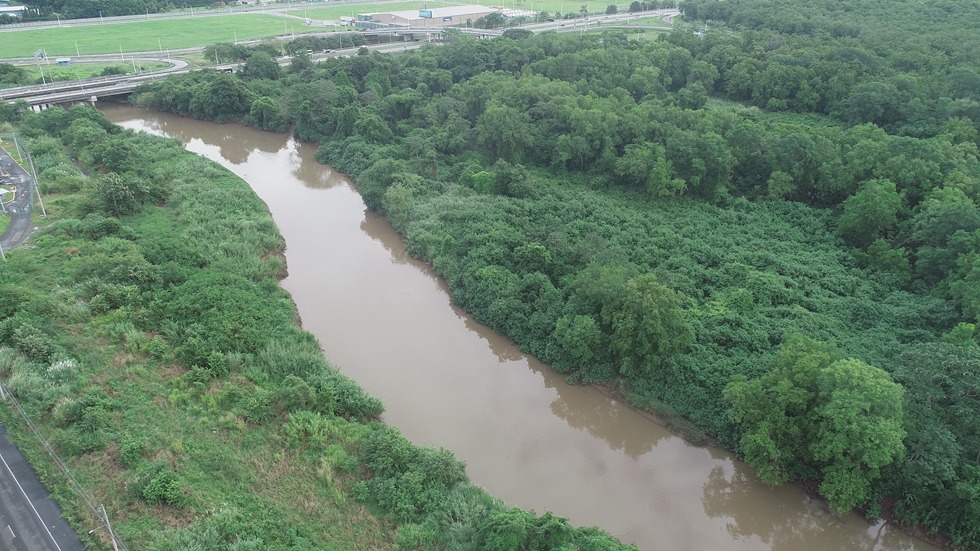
446	381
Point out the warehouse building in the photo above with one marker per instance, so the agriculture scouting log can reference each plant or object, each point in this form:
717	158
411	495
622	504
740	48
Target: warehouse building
434	17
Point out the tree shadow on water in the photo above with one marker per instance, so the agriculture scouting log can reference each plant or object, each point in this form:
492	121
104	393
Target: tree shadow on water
785	519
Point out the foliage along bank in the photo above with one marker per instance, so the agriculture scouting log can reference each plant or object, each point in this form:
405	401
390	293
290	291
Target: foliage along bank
145	332
623	211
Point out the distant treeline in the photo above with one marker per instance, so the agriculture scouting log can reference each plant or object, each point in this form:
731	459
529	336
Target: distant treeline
84	9
774	232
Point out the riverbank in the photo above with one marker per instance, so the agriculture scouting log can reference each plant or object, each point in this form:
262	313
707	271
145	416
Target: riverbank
445	378
162	360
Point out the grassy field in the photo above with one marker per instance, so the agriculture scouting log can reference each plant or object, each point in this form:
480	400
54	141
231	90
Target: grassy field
78	71
334	13
651	21
141	36
147	35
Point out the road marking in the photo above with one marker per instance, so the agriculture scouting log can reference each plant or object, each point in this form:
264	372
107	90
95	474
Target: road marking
11	531
55	542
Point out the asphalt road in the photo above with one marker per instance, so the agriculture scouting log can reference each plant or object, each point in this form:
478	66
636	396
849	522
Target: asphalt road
29	519
19	210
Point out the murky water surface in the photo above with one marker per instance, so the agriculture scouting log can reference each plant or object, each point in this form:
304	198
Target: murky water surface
447	381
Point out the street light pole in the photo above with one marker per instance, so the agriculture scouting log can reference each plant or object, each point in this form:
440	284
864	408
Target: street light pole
37	186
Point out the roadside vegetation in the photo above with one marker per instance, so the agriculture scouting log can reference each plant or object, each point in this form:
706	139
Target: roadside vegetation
25	75
145	332
771	229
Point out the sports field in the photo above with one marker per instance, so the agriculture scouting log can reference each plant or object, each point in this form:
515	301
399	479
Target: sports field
142	36
334	13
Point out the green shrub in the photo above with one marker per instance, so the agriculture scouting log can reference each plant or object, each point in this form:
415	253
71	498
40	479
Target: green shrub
33	342
417	536
157	482
351	400
132	447
258	406
408	481
295	354
73	442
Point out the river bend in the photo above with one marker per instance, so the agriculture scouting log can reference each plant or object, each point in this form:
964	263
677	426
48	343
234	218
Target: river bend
446	381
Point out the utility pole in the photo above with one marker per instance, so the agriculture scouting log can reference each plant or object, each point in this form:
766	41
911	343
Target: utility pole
37	185
112	535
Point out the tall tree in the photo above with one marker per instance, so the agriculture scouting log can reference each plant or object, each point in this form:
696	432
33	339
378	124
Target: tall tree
814	415
648	326
870	214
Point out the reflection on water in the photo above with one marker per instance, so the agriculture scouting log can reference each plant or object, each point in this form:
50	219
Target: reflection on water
576	407
725	493
377	228
385	319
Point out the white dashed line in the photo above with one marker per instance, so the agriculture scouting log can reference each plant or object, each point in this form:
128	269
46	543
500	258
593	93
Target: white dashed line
58	547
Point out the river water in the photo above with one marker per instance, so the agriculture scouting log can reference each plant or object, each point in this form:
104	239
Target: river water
446	381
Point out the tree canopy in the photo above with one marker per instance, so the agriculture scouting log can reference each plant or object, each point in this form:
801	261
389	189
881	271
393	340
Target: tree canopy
663	215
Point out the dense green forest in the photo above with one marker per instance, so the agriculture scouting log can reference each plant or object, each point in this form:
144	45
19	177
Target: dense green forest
770	228
144	330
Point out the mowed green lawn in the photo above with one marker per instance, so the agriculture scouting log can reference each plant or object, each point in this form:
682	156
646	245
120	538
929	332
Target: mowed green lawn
149	35
334	13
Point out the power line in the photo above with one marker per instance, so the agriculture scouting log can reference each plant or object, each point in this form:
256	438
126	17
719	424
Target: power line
99	511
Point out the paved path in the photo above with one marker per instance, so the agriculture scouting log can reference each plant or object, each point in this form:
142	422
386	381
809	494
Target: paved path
29	519
19	210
